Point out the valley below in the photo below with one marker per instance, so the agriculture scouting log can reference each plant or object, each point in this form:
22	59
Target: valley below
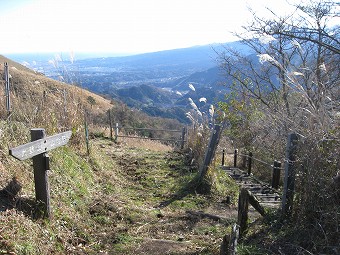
158	83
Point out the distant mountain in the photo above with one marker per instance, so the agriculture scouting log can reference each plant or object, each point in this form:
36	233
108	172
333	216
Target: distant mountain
154	82
211	78
144	95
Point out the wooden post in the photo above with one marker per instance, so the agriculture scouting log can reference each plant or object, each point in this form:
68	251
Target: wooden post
86	135
214	139
250	159
116	132
290	172
41	165
37	149
242	219
65	107
183	137
235	157
110	123
244	160
223	155
7	89
233	240
276	174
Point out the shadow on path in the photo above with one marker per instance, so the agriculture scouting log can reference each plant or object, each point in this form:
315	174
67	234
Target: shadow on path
9	199
193	187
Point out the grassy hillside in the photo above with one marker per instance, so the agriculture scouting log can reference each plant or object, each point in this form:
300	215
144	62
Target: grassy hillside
125	198
132	198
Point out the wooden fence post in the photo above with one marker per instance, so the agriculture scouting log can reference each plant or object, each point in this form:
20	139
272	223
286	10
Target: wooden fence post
116	132
233	240
244	160
110	123
276	174
242	219
290	172
183	137
214	139
250	159
223	156
235	157
86	135
41	165
65	107
7	89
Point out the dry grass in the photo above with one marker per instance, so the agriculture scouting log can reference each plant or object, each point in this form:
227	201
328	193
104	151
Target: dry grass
105	203
146	144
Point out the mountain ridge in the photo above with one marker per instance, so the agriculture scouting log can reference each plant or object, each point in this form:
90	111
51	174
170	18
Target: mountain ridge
137	80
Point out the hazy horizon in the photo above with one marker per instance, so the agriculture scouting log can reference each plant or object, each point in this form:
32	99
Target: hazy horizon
121	27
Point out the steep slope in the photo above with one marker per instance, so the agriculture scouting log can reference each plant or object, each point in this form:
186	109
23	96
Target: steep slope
30	87
12	63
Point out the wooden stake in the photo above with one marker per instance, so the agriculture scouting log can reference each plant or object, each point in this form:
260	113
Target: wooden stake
235	157
116	132
276	174
7	89
290	172
214	139
86	135
40	165
110	123
242	219
250	159
183	137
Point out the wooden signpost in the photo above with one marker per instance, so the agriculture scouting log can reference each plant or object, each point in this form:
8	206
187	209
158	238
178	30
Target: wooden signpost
37	149
210	152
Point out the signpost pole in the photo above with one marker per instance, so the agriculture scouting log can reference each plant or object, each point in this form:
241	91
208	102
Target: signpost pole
40	165
183	138
37	150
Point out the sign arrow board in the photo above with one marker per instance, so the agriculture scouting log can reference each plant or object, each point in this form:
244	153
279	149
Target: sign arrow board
40	146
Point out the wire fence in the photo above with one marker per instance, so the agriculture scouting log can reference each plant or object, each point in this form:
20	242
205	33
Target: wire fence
119	129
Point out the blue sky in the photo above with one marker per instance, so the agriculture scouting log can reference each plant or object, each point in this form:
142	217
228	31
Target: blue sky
120	26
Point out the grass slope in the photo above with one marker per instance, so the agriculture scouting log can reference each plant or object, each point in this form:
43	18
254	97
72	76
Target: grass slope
123	199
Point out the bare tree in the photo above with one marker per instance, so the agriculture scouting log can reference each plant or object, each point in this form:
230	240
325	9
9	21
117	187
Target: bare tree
294	64
293	75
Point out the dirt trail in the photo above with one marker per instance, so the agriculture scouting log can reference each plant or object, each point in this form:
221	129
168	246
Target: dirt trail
158	214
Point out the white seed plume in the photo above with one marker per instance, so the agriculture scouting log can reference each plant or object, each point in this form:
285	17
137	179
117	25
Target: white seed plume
267	58
53	62
297	74
193	105
322	67
25	63
296	44
211	110
265	39
203	99
192	87
72	57
57	57
188	115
